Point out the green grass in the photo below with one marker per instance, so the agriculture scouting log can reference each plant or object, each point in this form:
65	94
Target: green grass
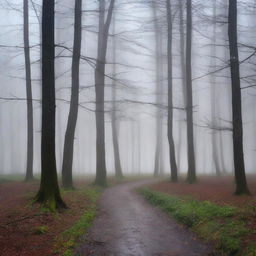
40	230
67	240
223	225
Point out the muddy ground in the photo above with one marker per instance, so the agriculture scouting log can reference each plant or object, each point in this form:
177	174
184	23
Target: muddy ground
128	225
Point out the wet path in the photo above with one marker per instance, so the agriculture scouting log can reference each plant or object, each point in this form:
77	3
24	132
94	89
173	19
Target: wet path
128	225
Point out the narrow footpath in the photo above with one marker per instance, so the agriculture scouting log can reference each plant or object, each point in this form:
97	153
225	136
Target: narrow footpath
128	225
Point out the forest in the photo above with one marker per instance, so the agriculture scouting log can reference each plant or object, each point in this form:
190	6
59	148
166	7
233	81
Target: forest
127	127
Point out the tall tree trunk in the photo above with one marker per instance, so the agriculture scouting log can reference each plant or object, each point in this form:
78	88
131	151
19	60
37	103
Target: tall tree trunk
214	136
183	77
159	92
49	193
240	177
30	130
38	15
191	177
67	177
174	173
101	170
118	167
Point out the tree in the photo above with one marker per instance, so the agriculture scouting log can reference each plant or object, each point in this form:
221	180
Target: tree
213	97
174	172
183	76
67	178
159	90
114	121
240	177
30	130
101	170
191	177
49	193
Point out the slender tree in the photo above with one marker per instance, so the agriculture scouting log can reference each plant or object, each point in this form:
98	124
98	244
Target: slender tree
174	173
213	97
159	90
240	177
30	130
49	193
67	177
114	120
183	77
191	177
101	170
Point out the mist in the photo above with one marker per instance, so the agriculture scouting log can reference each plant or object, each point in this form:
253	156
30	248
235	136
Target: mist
127	127
136	87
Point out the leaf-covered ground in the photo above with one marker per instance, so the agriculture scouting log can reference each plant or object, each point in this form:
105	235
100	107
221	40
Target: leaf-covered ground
27	229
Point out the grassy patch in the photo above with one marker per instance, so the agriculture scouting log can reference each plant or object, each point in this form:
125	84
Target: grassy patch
66	242
40	230
224	225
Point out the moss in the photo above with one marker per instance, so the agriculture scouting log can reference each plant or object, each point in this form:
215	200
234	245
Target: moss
223	225
250	250
68	252
66	242
40	230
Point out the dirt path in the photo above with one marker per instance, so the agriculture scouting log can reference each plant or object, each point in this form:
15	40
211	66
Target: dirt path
128	225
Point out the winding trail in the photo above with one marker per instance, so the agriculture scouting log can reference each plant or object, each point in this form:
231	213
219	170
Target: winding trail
128	225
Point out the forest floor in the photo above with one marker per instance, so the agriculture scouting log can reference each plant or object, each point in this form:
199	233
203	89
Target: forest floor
211	210
218	190
28	230
128	225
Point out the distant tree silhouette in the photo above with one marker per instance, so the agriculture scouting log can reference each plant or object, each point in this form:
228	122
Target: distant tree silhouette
67	165
101	170
173	164
114	118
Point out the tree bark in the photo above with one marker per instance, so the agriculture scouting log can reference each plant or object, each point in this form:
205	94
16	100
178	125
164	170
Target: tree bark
101	170
240	177
49	193
174	172
191	176
30	130
67	165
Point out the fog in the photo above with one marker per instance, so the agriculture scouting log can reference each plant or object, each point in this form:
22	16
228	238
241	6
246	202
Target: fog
138	102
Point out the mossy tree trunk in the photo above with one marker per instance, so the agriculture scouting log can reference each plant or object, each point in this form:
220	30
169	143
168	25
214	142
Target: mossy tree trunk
49	193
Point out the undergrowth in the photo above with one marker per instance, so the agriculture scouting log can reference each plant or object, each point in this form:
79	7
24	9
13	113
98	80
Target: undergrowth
66	242
223	225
